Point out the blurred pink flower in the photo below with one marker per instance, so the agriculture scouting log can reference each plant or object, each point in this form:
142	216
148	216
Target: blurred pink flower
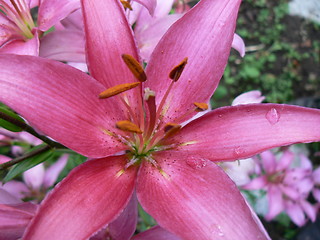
37	181
19	33
287	186
136	140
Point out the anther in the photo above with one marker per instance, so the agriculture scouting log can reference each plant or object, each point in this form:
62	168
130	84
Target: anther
115	90
200	107
177	70
126	5
128	126
171	128
135	67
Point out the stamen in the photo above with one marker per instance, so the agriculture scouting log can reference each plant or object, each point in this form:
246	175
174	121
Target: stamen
126	5
149	97
200	107
170	129
128	126
135	67
177	70
117	89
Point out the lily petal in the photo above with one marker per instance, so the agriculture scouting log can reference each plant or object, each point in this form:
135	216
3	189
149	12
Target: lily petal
209	28
34	177
91	196
155	233
275	202
21	47
108	41
53	11
238	44
194	198
52	173
62	102
64	45
231	133
14	219
148	4
124	226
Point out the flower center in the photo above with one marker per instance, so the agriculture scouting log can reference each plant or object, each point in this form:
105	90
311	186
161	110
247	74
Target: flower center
144	133
19	13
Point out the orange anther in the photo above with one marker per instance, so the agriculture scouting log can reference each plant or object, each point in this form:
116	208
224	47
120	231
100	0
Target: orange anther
117	89
135	67
128	126
201	106
171	128
126	5
177	70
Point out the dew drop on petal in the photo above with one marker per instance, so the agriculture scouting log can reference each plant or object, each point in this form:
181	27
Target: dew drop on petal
239	151
273	116
196	163
217	230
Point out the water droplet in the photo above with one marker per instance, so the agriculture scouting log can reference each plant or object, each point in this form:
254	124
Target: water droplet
273	116
239	151
196	163
217	230
220	116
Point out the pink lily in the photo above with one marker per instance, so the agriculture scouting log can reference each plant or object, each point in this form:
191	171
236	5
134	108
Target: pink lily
37	181
173	173
287	187
15	215
19	34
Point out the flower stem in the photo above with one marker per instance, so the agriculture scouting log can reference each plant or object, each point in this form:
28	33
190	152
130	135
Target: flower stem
30	130
24	157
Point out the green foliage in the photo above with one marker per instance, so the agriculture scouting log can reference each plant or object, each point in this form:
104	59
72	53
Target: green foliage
28	163
7	125
275	60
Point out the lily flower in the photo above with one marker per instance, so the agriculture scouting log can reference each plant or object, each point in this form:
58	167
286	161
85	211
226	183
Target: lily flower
19	33
129	123
287	186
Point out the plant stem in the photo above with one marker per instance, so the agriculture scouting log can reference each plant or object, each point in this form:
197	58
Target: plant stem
24	157
30	130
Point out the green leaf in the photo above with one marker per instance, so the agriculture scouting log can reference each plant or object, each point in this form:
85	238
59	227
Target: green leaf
7	125
28	163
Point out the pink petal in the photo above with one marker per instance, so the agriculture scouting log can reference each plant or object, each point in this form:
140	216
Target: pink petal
61	102
17	189
248	97
155	233
91	196
34	177
4	159
21	47
309	209
238	44
237	132
256	183
14	219
296	214
285	161
316	194
52	173
194	199
7	198
269	161
65	45
124	226
208	28
149	37
107	40
148	4
275	202
316	175
53	11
